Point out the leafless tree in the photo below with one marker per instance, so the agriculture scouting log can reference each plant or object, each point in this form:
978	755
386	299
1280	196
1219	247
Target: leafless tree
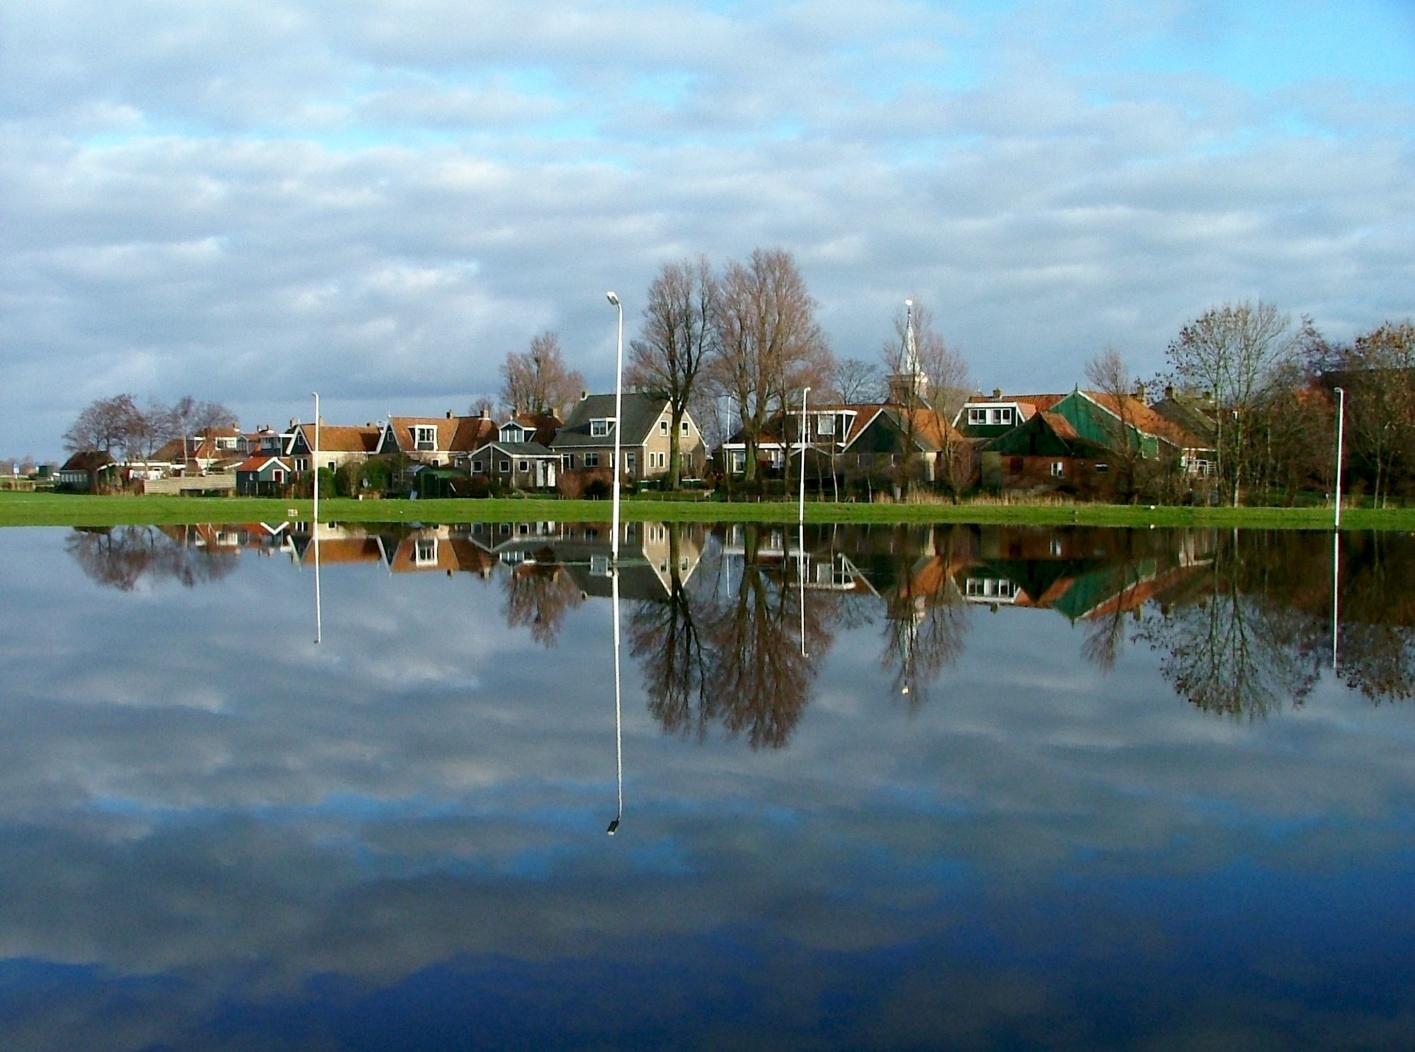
106	424
1234	351
768	342
538	379
677	340
1379	370
856	381
1108	374
929	378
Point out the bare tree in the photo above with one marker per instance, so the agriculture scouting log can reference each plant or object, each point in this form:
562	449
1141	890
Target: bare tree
538	380
1379	369
929	379
1234	352
677	340
1108	374
107	424
768	342
856	380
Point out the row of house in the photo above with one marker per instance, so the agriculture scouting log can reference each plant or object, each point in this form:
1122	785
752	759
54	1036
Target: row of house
1004	442
527	451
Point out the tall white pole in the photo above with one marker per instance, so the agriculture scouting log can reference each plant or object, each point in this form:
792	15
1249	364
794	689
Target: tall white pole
618	412
801	502
1335	593
314	461
1340	426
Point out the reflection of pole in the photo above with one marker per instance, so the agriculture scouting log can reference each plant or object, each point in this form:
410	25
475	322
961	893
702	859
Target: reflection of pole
1340	424
1335	593
618	710
801	577
314	460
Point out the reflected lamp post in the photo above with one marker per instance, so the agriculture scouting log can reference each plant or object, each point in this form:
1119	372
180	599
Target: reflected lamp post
618	709
613	298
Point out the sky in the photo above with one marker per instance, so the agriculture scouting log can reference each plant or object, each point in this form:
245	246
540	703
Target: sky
250	201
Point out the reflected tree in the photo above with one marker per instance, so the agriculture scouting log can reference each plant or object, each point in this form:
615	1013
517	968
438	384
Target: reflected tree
538	594
122	556
668	640
1243	648
926	619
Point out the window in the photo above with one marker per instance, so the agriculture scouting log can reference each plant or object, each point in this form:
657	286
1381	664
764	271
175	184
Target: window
631	461
424	436
682	427
1102	467
977	416
504	466
663	427
478	466
302	463
825	425
599	565
591	460
599	428
1058	468
425	553
523	466
513	433
1004	416
332	466
738	458
277	476
567	461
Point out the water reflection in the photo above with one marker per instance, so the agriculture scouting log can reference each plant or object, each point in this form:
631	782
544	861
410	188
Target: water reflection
731	625
236	839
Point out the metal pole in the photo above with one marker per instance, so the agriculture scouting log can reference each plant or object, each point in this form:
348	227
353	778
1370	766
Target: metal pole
1340	427
801	502
1335	593
314	526
618	412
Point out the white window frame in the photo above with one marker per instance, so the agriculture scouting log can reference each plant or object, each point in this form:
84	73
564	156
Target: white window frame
1058	469
825	425
663	426
504	466
425	551
523	466
977	415
567	461
478	467
424	437
599	428
591	460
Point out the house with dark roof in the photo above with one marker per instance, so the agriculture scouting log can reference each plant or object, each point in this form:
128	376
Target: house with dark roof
435	441
519	456
586	441
88	469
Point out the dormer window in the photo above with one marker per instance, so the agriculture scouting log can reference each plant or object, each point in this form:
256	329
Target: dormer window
977	416
825	425
600	428
513	433
425	552
424	436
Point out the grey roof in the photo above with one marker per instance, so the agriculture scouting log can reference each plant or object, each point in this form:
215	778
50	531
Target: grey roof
641	412
517	449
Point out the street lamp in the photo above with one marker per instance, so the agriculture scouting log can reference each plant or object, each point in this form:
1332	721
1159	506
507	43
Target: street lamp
613	298
1340	425
314	461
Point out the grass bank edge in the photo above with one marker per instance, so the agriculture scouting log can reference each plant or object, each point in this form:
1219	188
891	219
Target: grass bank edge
41	509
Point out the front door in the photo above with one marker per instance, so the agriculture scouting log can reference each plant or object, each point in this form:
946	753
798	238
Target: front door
545	473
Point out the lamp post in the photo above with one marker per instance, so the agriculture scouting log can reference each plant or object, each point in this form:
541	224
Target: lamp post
613	298
314	526
1340	426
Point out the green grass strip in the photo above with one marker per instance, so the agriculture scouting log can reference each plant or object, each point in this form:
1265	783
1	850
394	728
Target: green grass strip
61	509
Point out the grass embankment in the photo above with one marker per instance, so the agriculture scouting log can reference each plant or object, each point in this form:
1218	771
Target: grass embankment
61	509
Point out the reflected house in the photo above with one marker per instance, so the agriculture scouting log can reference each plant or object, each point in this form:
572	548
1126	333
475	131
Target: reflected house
827	567
261	537
1081	573
650	555
338	544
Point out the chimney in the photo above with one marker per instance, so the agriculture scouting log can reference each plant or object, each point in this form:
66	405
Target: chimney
485	413
1142	393
449	414
1169	391
584	395
997	392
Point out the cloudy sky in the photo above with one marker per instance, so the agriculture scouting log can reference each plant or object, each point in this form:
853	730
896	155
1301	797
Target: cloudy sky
250	201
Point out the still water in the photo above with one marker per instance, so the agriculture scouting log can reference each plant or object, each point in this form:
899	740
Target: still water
885	787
